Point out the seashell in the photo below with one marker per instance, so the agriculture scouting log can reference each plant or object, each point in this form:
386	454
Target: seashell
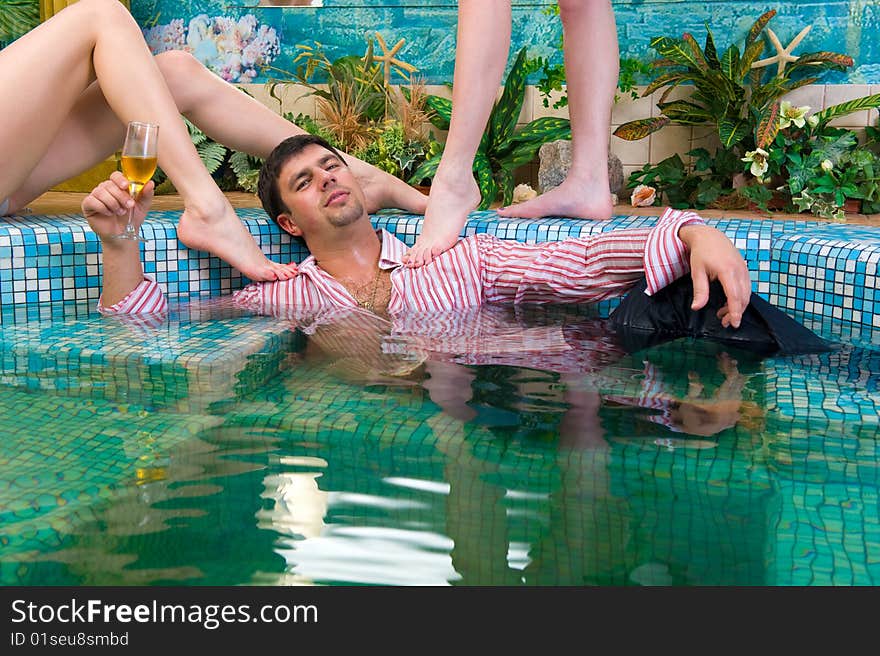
522	193
643	196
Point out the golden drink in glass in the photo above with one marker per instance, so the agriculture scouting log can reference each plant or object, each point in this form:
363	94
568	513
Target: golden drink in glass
138	165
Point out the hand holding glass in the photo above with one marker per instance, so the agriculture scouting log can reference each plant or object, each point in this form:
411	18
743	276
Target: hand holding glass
138	165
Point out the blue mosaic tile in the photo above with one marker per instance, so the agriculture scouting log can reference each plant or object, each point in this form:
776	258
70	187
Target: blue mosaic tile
807	268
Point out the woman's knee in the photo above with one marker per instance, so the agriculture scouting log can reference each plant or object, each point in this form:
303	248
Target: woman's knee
180	70
104	11
569	8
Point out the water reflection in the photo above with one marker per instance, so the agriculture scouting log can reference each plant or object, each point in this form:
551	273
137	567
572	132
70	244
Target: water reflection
406	455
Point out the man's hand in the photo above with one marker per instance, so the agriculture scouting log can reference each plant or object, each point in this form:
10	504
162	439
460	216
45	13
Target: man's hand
714	257
106	208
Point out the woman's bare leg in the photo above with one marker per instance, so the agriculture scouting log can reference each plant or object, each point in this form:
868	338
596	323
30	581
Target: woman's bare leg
98	39
88	135
591	73
236	120
480	55
92	131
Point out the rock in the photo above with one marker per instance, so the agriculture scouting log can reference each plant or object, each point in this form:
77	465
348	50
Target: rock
555	159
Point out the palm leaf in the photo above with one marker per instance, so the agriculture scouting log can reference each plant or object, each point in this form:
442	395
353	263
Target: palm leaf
675	50
829	59
485	180
427	169
526	142
751	53
505	182
685	112
18	17
696	51
506	111
767	127
732	131
848	107
663	80
542	130
759	26
730	63
710	52
641	128
441	111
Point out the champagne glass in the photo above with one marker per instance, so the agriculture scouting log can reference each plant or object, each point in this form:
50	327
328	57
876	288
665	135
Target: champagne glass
138	165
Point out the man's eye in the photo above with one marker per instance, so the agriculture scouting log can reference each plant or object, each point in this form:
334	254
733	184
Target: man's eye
332	165
302	185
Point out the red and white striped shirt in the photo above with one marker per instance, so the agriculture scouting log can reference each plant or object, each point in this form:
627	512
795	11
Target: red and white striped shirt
478	269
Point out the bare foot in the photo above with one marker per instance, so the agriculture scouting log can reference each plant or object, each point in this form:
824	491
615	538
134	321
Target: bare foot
451	200
383	190
576	199
226	237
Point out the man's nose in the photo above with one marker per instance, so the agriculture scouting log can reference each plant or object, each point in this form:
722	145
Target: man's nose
327	178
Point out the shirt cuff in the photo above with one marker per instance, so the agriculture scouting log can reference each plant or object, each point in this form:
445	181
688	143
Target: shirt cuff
666	256
146	298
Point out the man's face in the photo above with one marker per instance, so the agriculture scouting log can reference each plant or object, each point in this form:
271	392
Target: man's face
320	192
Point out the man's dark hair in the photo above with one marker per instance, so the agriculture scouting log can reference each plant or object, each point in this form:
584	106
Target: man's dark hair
267	187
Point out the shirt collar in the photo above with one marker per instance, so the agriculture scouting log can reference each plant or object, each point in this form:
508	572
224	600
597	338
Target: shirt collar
393	249
390	256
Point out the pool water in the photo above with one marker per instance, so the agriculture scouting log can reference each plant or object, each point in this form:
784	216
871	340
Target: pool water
501	447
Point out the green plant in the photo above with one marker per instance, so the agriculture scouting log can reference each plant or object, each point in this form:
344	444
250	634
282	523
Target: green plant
781	148
504	147
393	152
361	112
16	18
632	72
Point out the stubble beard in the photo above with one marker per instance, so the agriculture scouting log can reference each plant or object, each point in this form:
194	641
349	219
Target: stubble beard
347	215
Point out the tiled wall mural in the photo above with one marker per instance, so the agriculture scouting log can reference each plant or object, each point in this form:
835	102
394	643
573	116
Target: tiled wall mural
237	38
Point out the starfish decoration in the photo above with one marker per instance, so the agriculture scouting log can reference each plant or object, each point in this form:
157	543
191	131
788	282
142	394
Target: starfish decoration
783	56
388	59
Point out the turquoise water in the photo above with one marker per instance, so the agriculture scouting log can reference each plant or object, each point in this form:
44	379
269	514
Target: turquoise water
225	449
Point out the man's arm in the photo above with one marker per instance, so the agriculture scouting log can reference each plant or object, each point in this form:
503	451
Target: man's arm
106	209
589	269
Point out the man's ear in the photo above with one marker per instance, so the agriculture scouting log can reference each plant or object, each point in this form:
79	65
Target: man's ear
288	225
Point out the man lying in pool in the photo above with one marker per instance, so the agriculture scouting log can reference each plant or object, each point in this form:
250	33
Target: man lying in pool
307	188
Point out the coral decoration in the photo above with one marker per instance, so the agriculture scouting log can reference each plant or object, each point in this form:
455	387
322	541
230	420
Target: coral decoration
233	49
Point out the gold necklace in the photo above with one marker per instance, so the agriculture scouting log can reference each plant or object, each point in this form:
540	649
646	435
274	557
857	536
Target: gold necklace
359	293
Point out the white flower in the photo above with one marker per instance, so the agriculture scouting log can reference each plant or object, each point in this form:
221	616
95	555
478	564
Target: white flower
827	165
813	121
789	115
758	160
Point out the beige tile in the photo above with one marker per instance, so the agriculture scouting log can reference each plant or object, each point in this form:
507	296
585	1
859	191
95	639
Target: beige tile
260	92
297	99
838	93
626	109
539	111
667	142
812	95
439	90
634	153
705	137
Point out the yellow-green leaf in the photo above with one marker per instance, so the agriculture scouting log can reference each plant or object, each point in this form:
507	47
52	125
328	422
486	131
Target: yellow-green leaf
641	128
759	26
768	126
